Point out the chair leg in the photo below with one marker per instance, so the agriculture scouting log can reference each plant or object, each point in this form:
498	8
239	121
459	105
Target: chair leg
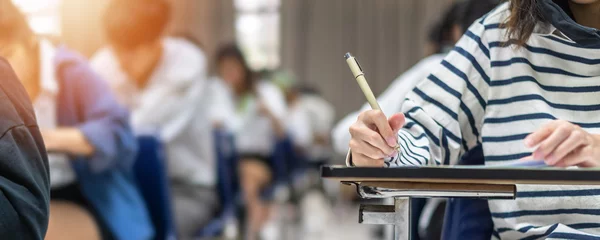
398	216
402	225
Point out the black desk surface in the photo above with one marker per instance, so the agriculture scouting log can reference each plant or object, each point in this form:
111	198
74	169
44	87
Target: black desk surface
457	174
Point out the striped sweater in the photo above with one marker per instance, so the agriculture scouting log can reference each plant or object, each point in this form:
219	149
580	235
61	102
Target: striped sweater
492	93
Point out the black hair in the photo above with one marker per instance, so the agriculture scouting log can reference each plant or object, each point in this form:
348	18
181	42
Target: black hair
130	23
13	24
471	10
441	32
233	51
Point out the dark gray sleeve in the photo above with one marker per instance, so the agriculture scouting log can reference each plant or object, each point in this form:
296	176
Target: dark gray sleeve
24	184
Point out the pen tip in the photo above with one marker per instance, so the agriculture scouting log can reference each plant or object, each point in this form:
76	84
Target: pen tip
348	55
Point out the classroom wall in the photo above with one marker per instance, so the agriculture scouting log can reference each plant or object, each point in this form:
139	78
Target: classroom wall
387	36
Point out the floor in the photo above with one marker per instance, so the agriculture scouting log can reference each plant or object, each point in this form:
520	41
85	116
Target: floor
318	219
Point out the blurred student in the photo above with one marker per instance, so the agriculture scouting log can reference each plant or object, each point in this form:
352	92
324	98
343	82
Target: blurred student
321	116
162	81
309	119
297	119
258	122
449	30
522	84
85	131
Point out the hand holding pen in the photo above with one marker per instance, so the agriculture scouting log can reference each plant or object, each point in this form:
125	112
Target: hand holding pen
374	136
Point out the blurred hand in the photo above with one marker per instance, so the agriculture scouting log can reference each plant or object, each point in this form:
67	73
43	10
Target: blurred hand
374	137
563	144
263	109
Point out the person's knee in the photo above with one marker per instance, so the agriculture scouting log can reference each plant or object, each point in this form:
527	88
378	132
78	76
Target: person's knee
69	221
255	170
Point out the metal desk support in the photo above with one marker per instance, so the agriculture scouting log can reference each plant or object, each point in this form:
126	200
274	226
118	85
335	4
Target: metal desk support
399	214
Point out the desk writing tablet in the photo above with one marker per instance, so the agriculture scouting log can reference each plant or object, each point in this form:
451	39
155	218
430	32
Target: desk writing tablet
466	174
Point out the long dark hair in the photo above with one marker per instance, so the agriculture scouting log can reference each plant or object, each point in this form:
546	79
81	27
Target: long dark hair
525	15
233	51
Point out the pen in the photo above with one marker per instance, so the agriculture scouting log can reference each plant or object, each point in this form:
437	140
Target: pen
359	75
362	81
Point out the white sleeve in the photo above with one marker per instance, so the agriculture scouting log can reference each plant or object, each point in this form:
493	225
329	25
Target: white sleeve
274	100
220	105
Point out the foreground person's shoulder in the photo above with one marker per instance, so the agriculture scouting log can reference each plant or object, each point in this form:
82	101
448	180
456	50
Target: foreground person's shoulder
15	107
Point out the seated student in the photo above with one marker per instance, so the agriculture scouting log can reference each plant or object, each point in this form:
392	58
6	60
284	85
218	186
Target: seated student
521	83
23	161
297	118
321	115
309	121
86	132
445	33
257	125
162	81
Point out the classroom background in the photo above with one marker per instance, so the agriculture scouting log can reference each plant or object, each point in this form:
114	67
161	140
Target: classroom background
306	39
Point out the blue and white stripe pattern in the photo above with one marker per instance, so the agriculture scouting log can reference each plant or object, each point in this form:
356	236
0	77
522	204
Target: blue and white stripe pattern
488	91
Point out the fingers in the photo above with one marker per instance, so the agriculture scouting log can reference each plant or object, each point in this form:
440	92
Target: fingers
361	160
528	158
366	149
541	134
364	136
549	144
575	140
396	122
572	159
377	118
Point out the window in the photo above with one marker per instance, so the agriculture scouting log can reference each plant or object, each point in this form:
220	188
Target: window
257	32
43	15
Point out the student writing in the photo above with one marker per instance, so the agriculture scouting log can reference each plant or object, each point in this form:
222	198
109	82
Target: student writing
521	83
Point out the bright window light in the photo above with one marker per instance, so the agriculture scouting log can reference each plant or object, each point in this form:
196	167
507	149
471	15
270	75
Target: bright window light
43	15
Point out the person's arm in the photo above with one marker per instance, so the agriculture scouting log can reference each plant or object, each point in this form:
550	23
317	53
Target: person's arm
67	140
104	136
276	122
272	104
441	118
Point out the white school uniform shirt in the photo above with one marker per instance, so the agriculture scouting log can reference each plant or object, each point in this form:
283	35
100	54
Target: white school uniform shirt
45	107
321	115
220	104
254	133
172	103
299	126
390	100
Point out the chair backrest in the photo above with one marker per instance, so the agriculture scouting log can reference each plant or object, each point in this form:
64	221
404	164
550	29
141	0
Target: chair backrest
226	157
281	159
467	218
227	182
151	175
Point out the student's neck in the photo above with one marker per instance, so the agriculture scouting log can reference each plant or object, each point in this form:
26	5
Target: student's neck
586	14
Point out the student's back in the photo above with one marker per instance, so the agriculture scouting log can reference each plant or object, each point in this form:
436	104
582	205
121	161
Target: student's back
24	181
